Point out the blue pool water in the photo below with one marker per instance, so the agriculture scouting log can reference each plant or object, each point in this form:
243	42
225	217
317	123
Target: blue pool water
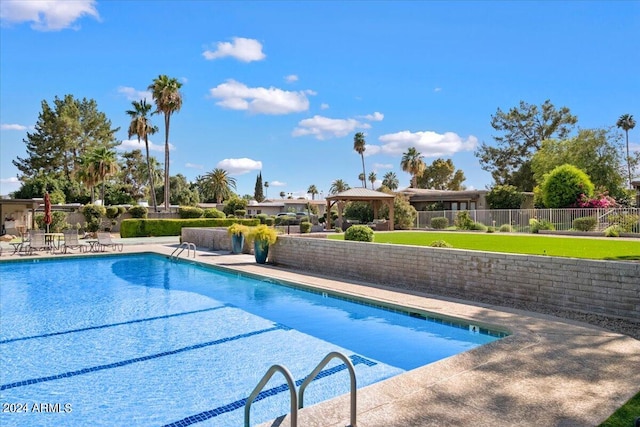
138	340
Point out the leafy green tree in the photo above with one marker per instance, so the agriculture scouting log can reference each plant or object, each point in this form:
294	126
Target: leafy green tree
441	175
597	152
142	128
404	215
258	193
564	185
390	180
182	192
523	129
412	163
504	197
313	191
626	123
133	174
359	145
37	185
338	186
233	204
217	185
360	211
168	99
372	179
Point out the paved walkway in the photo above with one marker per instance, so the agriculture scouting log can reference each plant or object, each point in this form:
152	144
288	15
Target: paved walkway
549	372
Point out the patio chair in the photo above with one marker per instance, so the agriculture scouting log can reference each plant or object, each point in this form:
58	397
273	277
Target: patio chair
37	242
71	241
104	240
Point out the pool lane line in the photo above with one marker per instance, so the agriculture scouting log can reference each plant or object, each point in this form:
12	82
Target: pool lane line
212	413
276	327
110	325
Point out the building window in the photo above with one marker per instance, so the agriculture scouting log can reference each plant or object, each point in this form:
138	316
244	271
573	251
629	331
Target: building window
463	206
472	206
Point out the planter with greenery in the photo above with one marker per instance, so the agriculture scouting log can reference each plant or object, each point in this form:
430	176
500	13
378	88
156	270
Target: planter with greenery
262	236
237	233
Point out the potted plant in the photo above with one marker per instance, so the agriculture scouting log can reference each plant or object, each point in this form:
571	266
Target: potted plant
262	236
237	233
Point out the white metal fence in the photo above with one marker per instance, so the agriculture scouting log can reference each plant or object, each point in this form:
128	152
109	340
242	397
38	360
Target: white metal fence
562	219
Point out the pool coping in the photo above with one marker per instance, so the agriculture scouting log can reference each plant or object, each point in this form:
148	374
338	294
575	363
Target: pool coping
549	371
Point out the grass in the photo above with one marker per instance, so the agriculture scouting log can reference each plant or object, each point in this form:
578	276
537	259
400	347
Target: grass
626	415
531	244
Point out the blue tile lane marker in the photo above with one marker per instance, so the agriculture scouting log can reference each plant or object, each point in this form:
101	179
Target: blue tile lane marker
139	359
203	416
110	325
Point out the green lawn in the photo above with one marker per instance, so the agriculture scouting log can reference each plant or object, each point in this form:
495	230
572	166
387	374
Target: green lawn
592	248
625	416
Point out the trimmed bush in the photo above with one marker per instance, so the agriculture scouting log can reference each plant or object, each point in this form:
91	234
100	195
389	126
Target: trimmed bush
240	212
213	213
440	222
543	224
305	227
359	233
262	217
586	223
564	186
112	212
478	226
173	227
187	212
628	222
463	220
270	221
613	231
138	212
491	229
506	228
440	244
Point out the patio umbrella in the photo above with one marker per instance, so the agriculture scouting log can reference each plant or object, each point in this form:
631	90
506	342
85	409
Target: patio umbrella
47	210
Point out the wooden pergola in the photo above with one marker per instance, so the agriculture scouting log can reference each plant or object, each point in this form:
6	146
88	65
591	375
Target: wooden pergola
376	198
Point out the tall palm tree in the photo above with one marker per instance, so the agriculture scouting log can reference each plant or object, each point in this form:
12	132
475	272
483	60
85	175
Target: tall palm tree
390	180
359	145
372	179
142	128
266	189
83	173
338	186
626	123
168	99
362	177
413	164
220	184
313	191
102	163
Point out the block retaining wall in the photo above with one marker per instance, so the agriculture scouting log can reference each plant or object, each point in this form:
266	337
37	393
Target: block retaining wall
610	288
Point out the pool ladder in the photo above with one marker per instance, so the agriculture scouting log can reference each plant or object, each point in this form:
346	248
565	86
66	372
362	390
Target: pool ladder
185	245
297	399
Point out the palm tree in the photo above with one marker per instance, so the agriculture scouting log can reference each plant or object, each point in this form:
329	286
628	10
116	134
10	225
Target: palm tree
141	127
313	191
362	177
372	179
413	164
168	99
626	123
219	184
359	145
84	174
102	163
390	180
266	189
338	186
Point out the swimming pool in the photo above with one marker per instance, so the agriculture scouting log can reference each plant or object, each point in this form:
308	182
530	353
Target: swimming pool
139	340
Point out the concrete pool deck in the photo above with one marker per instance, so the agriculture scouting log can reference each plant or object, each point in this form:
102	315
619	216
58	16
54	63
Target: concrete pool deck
549	372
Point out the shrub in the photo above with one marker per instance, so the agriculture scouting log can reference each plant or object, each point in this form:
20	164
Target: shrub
359	233
262	217
440	222
564	186
491	229
586	223
543	224
440	244
186	212
338	230
138	212
628	222
240	212
173	227
506	228
463	220
613	231
478	226
58	222
213	213
270	221
233	204
93	212
504	197
305	227
112	212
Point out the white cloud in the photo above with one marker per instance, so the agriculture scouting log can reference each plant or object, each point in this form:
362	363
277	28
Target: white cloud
324	106
133	144
324	127
259	100
133	94
277	184
378	166
193	166
10	180
49	15
291	78
430	144
370	150
239	166
375	117
438	89
12	126
245	50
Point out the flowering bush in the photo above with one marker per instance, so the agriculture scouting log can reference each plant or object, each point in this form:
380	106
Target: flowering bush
600	200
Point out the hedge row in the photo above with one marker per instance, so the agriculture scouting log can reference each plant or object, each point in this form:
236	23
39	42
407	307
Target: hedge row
173	227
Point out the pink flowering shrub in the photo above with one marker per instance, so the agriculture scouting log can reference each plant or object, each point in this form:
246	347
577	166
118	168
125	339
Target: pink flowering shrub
600	200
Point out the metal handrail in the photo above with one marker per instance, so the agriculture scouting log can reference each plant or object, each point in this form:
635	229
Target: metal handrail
181	248
292	391
316	371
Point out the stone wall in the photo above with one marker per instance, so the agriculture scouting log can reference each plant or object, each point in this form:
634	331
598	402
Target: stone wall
609	288
214	238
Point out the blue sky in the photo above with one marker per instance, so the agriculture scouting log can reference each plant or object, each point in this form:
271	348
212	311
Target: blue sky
282	87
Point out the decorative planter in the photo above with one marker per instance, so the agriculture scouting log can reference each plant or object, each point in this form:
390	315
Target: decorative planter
237	242
261	250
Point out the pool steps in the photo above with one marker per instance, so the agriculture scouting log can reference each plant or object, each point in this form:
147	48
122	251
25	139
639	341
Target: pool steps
297	399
